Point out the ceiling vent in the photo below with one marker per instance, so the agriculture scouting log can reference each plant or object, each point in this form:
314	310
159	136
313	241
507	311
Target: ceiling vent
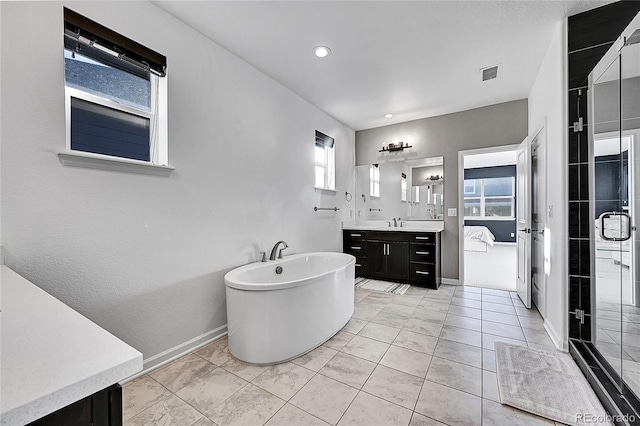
489	73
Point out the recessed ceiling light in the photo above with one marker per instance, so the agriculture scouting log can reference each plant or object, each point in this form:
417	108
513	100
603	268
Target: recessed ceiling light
321	51
388	115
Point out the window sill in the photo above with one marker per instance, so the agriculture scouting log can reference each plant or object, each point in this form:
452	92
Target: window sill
104	162
324	189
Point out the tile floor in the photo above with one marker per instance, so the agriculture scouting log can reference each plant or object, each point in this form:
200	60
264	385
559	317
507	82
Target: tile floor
423	358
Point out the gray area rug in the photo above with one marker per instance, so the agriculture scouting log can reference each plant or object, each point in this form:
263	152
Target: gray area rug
395	288
548	384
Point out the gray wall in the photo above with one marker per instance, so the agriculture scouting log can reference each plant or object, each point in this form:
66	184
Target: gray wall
501	124
145	256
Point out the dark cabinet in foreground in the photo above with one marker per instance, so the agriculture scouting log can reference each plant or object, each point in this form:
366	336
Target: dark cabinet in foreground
399	256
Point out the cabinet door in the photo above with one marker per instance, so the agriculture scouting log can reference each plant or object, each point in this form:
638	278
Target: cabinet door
376	258
397	261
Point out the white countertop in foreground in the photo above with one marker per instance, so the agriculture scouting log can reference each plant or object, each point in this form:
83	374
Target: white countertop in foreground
434	226
51	355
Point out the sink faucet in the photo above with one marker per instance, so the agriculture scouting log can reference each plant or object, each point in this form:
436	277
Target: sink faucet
274	250
395	223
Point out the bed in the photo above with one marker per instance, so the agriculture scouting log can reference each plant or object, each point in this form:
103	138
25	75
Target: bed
488	263
478	238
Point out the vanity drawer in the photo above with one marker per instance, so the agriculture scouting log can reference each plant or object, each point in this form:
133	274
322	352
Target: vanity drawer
356	248
422	274
355	235
397	236
422	253
423	237
361	266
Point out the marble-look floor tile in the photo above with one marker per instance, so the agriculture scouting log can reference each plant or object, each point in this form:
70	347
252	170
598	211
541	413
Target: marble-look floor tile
368	410
459	352
290	415
488	360
416	341
369	349
468	288
467	303
489	340
420	420
458	376
169	411
380	332
211	389
468	295
490	386
497	307
338	341
502	330
500	318
538	337
462	335
249	406
325	398
348	369
316	359
203	421
364	313
394	386
434	306
140	394
497	299
530	313
284	380
495	414
390	318
411	362
465	312
216	352
176	375
494	292
448	405
243	369
428	315
463	322
423	327
354	325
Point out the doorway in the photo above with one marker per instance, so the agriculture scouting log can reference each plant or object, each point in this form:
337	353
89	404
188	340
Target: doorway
487	254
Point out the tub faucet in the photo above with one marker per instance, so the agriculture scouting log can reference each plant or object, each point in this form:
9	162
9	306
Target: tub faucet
274	250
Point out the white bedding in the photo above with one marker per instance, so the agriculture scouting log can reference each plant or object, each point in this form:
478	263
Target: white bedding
481	233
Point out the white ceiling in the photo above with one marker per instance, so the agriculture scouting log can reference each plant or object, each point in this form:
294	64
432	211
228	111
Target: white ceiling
414	59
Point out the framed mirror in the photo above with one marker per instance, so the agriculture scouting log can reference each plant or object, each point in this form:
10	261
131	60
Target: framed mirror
408	190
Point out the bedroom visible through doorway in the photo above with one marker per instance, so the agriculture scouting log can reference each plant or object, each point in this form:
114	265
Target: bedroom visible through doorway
488	236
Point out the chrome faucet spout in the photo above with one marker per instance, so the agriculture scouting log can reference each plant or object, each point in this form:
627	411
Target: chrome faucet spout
395	223
274	250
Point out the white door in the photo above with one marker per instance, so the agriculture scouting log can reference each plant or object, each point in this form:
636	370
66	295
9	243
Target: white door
523	219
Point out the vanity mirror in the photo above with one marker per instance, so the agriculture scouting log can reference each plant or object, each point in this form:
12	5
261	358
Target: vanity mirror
409	189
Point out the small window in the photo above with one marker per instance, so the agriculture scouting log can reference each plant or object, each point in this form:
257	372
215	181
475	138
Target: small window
403	187
416	195
325	161
374	180
489	198
115	94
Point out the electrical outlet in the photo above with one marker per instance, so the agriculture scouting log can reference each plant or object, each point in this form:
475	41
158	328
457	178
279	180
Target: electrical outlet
452	211
513	235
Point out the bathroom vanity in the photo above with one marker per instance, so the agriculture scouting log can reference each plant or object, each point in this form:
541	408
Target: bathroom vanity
58	367
398	254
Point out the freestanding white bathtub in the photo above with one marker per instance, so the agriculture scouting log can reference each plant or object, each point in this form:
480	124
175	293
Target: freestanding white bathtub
274	317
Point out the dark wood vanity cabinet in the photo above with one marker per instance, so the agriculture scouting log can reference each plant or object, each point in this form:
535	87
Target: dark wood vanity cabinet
398	256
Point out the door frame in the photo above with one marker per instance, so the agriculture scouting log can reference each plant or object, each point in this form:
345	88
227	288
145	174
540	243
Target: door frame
461	155
541	130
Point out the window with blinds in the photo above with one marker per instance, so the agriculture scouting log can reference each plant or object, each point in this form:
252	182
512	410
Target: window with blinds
115	94
325	162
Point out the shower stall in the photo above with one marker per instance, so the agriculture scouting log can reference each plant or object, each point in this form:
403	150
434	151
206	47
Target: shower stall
608	337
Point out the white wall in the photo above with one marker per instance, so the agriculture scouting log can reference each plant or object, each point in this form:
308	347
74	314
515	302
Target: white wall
547	104
145	256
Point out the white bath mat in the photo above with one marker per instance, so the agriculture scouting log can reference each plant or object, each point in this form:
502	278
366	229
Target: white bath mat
546	383
388	287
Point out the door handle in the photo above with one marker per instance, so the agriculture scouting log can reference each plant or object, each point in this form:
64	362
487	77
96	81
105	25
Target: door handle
621	237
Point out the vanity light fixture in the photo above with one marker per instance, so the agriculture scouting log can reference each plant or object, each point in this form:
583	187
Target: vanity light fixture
321	51
389	115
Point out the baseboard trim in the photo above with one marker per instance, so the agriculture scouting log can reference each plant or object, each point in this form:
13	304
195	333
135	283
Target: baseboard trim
559	341
451	281
171	354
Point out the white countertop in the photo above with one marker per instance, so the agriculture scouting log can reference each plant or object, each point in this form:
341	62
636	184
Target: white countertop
51	355
409	226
